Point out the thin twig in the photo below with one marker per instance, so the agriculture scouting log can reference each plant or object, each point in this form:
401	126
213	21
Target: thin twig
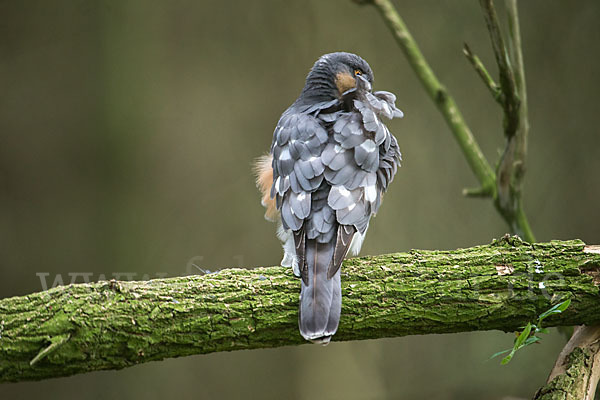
483	74
55	343
507	79
516	53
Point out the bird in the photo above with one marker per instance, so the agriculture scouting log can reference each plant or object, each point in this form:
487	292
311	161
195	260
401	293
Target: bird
331	160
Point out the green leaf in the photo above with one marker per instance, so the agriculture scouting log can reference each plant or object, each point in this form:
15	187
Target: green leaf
564	305
557	309
531	340
522	337
525	338
522	340
499	353
507	359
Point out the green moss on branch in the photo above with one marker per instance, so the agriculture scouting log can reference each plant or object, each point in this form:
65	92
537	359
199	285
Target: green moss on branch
111	325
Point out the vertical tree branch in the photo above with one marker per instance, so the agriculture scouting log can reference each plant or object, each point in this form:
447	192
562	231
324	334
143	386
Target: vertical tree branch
516	55
504	185
440	96
511	168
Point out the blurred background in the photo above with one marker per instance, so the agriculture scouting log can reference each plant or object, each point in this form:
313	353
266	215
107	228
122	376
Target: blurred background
127	133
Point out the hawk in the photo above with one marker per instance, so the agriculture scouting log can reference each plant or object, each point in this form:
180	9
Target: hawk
331	160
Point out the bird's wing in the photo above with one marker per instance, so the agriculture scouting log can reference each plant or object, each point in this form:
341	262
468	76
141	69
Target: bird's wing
389	152
298	171
360	162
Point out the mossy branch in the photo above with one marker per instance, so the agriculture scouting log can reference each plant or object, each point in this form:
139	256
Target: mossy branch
111	325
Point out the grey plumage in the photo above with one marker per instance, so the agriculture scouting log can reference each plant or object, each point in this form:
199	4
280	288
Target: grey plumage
321	300
333	158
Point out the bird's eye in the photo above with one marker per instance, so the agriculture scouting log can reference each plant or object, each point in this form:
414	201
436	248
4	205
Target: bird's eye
357	72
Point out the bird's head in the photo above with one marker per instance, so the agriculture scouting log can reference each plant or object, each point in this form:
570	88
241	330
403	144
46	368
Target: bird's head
335	73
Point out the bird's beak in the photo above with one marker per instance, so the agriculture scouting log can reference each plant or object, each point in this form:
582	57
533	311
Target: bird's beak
363	84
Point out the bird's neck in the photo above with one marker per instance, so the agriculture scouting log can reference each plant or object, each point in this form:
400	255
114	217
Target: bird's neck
319	87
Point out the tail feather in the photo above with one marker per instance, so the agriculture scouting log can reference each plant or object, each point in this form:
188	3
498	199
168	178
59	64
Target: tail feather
320	296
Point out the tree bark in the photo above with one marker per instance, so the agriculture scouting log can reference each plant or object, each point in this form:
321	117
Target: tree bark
111	325
577	369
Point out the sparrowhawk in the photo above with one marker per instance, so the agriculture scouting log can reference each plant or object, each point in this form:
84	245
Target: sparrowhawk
331	160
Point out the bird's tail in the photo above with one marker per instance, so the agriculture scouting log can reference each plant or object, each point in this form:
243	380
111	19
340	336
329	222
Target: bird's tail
320	296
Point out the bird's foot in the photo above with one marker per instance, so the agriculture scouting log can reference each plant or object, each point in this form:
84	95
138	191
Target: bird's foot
291	261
